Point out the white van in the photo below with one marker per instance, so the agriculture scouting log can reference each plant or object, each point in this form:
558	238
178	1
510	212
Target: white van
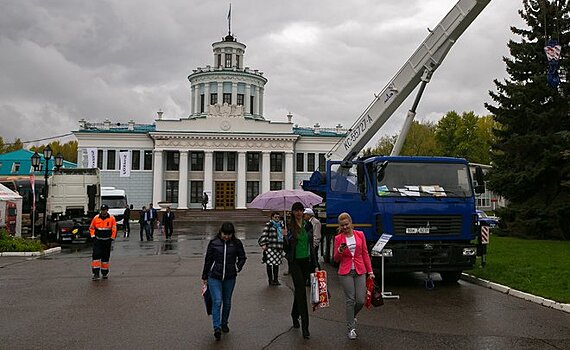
116	199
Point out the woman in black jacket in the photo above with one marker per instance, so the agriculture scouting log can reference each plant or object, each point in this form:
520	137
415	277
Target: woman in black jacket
225	257
302	262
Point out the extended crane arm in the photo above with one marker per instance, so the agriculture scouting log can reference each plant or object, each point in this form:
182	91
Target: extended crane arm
419	67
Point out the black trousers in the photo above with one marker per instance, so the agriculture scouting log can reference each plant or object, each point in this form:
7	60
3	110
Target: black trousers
299	269
126	227
101	255
152	226
272	273
145	228
316	249
168	228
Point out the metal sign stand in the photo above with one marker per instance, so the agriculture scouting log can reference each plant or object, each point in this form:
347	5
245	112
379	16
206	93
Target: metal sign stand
386	295
378	249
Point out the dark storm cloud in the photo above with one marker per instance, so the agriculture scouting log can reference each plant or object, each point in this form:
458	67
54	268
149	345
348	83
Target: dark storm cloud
66	60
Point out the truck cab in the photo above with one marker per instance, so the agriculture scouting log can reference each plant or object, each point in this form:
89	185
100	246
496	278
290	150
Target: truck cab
116	199
427	204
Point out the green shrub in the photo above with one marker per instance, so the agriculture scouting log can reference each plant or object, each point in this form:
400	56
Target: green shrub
16	244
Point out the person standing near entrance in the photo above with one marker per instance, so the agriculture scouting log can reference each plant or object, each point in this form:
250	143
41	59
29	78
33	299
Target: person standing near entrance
224	259
351	252
152	213
126	223
205	201
144	223
167	219
298	247
103	231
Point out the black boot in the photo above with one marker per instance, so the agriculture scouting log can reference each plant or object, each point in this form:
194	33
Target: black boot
269	274
296	323
276	275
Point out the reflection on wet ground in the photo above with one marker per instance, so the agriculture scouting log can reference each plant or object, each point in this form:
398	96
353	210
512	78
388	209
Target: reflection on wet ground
188	241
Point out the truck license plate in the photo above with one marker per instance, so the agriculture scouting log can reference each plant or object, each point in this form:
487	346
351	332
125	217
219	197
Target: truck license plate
412	230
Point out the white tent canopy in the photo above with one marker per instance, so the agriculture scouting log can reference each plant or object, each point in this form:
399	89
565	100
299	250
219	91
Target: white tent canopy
9	196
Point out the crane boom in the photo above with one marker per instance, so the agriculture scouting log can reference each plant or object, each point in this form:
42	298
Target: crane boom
419	67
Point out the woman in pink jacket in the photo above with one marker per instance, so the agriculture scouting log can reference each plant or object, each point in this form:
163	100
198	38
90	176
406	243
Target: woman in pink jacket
351	252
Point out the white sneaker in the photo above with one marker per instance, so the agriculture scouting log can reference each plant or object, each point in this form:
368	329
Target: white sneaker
352	334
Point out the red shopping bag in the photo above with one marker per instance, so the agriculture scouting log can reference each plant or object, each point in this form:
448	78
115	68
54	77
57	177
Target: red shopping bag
369	292
319	290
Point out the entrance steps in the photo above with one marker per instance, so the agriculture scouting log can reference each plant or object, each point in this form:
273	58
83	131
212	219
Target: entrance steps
213	215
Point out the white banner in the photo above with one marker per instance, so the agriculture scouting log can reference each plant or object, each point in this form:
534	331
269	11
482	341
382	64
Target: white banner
125	164
91	158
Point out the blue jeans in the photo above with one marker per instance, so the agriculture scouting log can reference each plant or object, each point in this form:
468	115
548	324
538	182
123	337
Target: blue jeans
221	292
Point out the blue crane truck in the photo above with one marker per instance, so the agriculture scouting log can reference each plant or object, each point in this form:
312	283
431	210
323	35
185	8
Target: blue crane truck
427	204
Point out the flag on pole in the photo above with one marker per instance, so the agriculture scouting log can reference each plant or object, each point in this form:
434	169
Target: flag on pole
230	20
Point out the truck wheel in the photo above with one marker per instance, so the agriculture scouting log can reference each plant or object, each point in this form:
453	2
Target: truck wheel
450	276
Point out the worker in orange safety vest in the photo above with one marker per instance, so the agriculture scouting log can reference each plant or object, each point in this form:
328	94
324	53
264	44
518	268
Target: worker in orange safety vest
103	230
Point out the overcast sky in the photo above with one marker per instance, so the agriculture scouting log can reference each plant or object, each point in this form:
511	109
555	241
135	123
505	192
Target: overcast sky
61	61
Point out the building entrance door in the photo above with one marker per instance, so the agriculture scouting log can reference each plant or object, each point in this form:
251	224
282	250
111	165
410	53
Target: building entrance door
225	195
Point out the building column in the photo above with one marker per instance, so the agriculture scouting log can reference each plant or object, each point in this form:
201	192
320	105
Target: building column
247	98
209	176
289	171
265	171
234	94
192	99
196	104
221	92
80	160
241	182
157	178
183	181
261	91
256	100
207	98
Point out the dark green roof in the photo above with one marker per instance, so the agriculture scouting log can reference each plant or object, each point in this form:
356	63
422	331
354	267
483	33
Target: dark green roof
138	129
322	132
24	158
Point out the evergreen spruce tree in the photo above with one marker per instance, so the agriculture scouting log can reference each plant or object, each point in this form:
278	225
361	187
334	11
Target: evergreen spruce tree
531	153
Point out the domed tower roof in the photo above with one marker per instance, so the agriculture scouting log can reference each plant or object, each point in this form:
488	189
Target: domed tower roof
227	84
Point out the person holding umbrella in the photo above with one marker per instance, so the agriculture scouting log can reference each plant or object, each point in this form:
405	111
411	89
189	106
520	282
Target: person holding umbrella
298	244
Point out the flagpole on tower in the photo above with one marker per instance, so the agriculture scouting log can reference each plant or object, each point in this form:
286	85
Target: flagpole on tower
230	20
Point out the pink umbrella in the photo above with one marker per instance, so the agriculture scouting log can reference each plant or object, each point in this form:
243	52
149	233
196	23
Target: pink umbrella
284	199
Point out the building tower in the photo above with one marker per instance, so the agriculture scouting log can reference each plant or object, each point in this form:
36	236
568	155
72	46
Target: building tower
227	88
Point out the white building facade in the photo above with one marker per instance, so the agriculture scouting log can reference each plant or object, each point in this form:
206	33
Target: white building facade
225	148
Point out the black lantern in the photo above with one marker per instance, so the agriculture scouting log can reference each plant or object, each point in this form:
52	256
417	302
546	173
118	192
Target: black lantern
58	161
47	153
36	161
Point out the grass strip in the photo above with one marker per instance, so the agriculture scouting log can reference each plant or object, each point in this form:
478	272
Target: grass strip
538	267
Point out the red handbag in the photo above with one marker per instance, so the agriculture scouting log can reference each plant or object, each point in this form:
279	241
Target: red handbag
369	292
373	294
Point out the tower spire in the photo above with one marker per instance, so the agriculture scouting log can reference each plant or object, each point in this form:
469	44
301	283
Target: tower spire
230	20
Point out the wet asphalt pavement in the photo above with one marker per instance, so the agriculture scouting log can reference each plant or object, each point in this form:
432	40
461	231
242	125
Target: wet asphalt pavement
152	300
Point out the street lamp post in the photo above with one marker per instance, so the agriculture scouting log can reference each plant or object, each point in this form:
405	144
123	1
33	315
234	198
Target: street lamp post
47	153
